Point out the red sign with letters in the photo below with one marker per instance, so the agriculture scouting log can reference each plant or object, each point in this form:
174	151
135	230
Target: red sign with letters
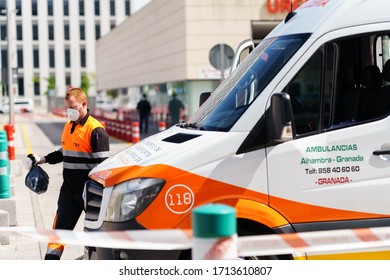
283	6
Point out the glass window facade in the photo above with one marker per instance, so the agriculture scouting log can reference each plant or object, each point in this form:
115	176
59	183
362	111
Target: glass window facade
3	31
35	32
97	7
112	7
35	58
50	8
20	58
97	31
66	32
18	7
51	31
37	87
81	8
20	86
19	32
82	31
68	80
34	7
127	8
66	7
51	58
67	57
83	59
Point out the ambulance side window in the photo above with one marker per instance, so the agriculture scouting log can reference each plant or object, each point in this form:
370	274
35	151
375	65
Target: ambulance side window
345	83
305	92
360	94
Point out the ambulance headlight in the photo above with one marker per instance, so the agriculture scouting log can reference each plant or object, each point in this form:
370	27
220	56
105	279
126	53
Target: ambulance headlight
130	198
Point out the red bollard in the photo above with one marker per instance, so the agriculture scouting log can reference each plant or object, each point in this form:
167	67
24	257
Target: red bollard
109	127
9	128
116	129
162	126
135	132
123	131
128	131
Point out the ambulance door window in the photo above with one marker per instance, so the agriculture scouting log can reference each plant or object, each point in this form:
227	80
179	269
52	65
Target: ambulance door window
305	92
382	50
360	94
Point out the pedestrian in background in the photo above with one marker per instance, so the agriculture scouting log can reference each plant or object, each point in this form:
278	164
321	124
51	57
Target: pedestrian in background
175	107
144	108
85	143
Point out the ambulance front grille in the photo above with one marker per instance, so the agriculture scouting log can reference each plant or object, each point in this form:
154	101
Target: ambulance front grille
94	197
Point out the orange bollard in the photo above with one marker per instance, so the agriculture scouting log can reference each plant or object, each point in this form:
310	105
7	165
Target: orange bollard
9	128
161	126
135	132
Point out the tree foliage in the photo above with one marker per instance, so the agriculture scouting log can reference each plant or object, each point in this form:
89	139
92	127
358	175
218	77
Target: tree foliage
51	84
85	83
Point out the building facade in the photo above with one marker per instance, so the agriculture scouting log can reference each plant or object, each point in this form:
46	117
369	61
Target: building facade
52	42
164	48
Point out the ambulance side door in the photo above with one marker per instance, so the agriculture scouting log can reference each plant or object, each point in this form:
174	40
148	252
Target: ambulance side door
335	172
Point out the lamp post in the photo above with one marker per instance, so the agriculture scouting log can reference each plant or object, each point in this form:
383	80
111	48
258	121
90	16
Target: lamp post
9	12
10	127
9	68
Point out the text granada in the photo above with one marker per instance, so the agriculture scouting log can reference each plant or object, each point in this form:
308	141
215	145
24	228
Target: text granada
333	181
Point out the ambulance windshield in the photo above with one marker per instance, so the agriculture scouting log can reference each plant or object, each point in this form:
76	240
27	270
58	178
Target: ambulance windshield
230	100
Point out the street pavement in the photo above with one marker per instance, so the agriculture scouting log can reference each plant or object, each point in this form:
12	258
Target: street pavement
35	210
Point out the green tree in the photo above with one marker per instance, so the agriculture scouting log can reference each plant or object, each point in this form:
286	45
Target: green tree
51	84
85	83
113	93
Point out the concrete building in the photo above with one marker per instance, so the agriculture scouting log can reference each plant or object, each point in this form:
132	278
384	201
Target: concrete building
164	47
55	39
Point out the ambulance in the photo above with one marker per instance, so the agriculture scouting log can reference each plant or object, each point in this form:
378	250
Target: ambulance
296	139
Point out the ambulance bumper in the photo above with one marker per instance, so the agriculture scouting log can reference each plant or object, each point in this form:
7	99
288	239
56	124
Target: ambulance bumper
96	253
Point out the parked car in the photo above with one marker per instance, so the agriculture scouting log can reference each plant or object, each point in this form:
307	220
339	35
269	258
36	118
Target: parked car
21	105
127	104
106	104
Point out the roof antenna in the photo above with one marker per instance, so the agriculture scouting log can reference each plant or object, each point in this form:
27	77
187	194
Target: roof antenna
291	13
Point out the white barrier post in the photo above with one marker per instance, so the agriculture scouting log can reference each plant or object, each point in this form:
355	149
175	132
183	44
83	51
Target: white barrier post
215	232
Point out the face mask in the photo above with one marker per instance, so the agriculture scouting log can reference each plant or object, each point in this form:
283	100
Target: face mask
73	114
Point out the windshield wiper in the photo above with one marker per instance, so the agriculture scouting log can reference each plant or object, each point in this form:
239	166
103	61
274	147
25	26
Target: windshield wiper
191	126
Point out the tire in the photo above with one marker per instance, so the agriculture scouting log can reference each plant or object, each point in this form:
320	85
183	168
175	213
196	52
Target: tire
248	228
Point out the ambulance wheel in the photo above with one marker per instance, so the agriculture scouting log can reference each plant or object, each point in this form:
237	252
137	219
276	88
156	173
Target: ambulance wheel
247	228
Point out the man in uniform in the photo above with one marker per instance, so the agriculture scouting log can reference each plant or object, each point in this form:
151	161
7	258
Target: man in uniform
85	144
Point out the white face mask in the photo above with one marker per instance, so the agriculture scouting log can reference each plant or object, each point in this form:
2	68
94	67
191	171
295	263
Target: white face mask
73	114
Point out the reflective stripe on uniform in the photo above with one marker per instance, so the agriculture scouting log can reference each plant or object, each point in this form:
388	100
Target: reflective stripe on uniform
104	154
69	165
55	249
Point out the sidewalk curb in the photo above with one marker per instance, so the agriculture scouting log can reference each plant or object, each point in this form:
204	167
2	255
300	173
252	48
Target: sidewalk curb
9	205
4	222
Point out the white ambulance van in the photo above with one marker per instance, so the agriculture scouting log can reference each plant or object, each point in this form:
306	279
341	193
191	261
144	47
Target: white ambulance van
297	139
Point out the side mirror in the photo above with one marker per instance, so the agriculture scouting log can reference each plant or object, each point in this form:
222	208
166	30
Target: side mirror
280	121
203	97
